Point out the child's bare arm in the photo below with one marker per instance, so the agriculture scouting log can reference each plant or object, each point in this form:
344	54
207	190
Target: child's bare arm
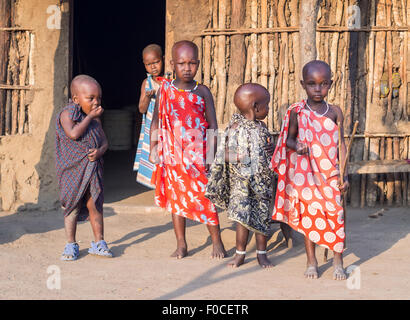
210	116
343	151
145	98
210	113
75	130
153	134
291	141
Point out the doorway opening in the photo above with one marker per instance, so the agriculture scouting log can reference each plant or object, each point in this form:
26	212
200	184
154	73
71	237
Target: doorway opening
107	43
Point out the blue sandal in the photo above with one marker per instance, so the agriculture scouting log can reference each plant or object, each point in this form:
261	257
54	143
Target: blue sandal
71	252
100	248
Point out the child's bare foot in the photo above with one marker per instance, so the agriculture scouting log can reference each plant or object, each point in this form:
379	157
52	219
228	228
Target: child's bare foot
339	272
218	251
311	272
182	249
238	259
180	253
263	260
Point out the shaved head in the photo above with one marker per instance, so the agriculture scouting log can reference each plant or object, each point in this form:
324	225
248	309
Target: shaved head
80	80
317	65
248	94
152	48
186	45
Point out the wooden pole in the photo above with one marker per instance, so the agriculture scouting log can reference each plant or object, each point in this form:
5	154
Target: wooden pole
382	177
282	37
254	41
360	101
389	52
319	35
343	79
293	29
15	69
397	176
407	191
371	58
283	57
326	37
390	176
198	76
307	22
5	21
237	54
294	20
404	175
364	180
247	75
376	102
8	119
345	99
334	52
24	48
220	67
408	105
403	61
206	61
272	74
214	55
370	86
408	157
307	32
264	44
275	66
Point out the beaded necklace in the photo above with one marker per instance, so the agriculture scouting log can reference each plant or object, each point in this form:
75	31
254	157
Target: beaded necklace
183	90
318	114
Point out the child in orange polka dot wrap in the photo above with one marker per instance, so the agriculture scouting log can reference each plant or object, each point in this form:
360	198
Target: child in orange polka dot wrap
308	196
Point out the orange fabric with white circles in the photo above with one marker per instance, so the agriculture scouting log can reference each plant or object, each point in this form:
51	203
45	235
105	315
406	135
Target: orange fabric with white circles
307	195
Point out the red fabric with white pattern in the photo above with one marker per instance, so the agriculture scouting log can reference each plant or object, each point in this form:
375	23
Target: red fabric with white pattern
307	195
180	177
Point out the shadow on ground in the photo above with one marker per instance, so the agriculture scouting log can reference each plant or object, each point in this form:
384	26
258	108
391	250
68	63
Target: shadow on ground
14	226
366	238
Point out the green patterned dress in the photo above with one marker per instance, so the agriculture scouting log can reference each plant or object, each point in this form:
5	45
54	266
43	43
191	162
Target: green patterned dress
244	189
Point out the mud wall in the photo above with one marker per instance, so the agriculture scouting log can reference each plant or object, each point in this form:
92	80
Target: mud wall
27	171
184	20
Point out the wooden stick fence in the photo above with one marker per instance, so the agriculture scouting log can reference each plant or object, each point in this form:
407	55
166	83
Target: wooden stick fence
14	109
266	32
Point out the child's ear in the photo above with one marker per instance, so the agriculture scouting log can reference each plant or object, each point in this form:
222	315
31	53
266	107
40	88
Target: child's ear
255	106
302	83
171	62
75	99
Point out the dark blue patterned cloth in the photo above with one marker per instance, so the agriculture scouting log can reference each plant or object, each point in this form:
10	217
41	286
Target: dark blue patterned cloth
75	172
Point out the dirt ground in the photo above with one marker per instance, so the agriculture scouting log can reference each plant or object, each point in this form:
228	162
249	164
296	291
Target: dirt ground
142	240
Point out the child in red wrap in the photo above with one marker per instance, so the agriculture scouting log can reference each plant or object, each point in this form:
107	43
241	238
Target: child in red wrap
183	113
308	196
